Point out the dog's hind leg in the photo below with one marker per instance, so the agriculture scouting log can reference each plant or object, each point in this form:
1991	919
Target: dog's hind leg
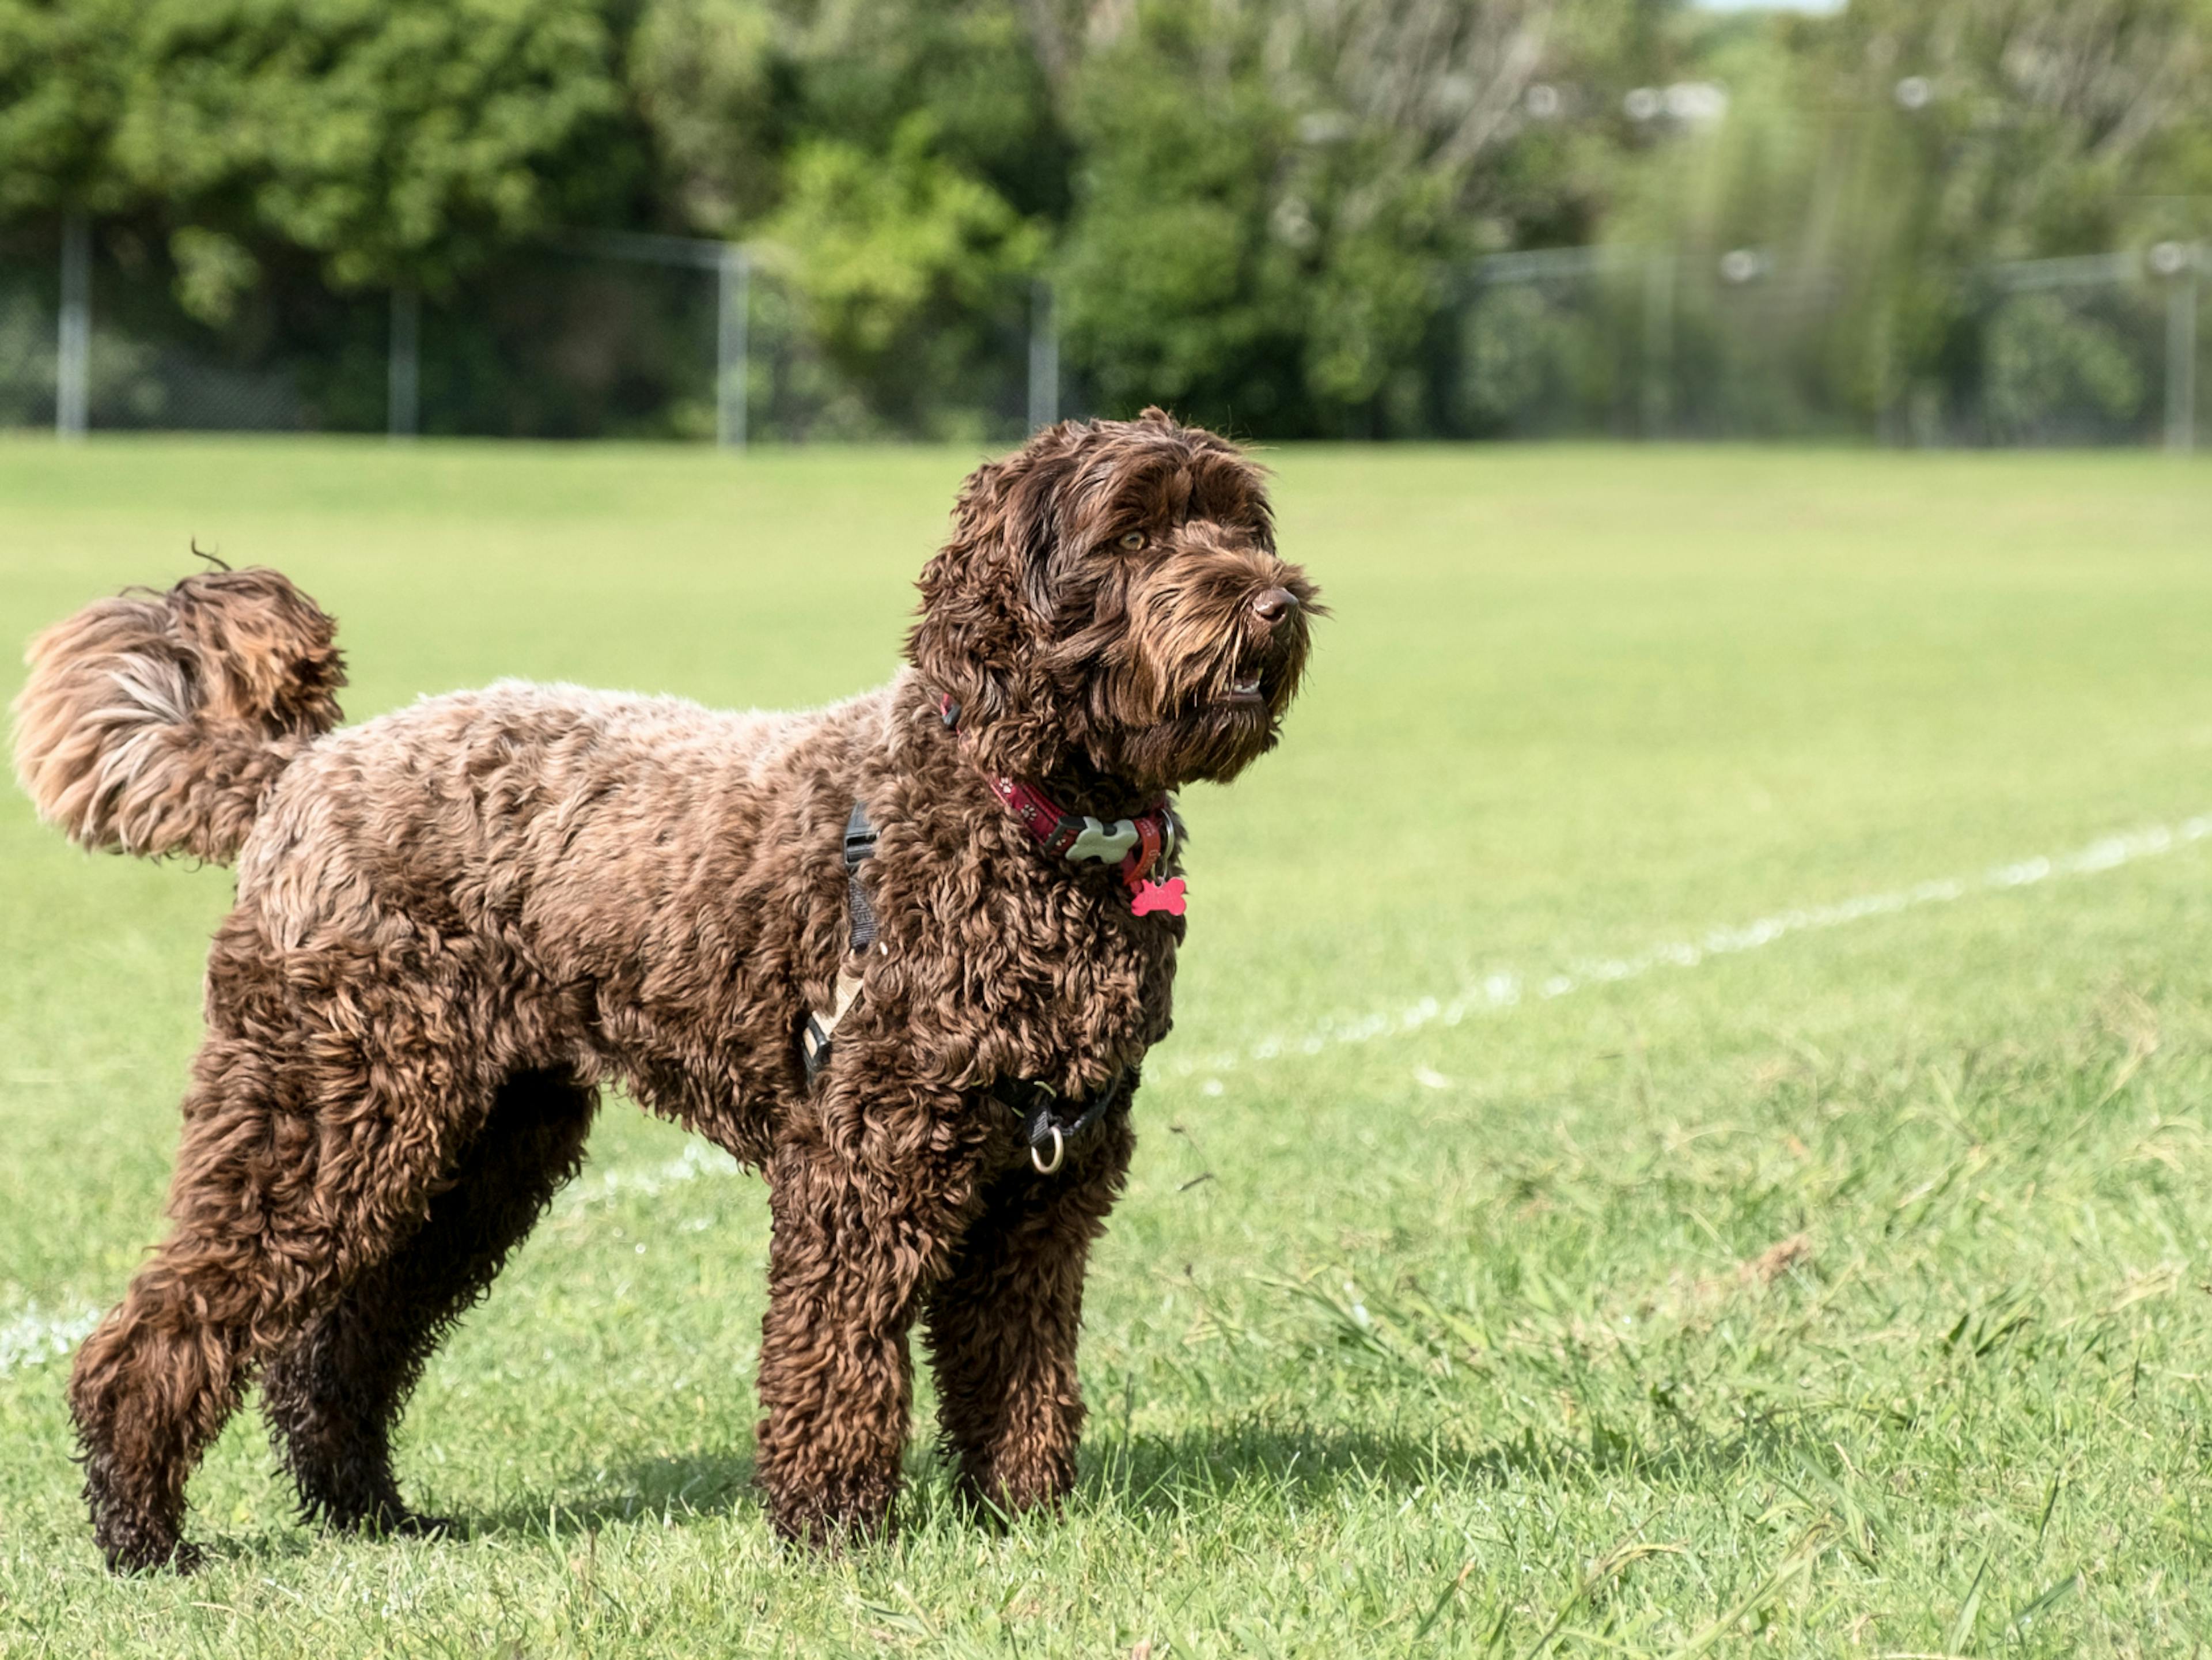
334	1396
1001	1326
154	1382
312	1149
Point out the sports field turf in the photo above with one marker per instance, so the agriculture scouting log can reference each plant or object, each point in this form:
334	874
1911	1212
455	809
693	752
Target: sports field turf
1648	1163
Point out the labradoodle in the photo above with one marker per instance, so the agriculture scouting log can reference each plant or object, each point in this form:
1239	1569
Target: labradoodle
904	954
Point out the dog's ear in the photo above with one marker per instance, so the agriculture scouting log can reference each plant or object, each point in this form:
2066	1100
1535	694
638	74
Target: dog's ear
1156	416
987	591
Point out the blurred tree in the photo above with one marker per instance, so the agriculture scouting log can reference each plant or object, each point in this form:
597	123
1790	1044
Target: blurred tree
896	164
399	142
1179	280
705	75
732	90
1263	212
1880	161
2012	129
901	259
1271	197
2039	119
64	76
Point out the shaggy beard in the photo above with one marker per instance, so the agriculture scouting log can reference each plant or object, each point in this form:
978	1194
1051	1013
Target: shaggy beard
1209	743
1194	683
1205	733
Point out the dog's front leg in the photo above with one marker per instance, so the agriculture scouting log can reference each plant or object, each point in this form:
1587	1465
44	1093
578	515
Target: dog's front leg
854	1242
1001	1324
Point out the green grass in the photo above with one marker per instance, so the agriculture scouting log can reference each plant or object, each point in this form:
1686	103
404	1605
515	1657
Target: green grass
1844	1295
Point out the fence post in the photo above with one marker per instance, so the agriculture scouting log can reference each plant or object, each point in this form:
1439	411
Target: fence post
403	408
73	346
1044	357
733	342
1658	338
2181	356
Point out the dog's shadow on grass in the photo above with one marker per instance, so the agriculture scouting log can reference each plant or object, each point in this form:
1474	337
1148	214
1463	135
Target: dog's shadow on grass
675	1489
1302	1463
1196	1468
1203	1466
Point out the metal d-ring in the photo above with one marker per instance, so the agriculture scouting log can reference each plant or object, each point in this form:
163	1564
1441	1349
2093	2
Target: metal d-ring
1059	1153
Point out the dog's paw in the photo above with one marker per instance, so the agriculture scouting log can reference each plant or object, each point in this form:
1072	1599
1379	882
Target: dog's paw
834	1522
178	1556
414	1524
399	1522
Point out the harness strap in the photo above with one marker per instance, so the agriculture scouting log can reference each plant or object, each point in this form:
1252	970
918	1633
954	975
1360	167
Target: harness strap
822	1026
1048	1122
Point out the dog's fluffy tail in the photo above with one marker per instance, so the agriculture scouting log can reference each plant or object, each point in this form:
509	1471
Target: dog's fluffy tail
153	723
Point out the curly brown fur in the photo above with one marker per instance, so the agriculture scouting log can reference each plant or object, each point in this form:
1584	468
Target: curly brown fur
333	1397
153	723
456	922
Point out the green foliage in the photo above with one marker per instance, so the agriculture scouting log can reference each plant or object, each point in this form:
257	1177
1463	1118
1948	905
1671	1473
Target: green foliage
398	140
64	83
1898	150
891	250
2040	119
703	73
897	165
1261	210
858	72
1179	280
1524	357
2045	358
735	92
213	271
1273	198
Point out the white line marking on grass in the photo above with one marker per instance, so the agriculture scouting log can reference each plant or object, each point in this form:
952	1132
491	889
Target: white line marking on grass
696	1160
1505	988
33	1338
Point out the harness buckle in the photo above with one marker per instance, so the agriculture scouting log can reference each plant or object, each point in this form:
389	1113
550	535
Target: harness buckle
859	838
1059	1151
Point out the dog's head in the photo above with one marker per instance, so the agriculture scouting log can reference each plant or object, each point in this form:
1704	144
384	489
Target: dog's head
1111	601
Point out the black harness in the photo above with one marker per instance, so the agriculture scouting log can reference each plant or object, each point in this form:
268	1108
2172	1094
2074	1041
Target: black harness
1050	1123
821	1025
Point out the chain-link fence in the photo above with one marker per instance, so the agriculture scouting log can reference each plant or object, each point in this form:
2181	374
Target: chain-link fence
93	334
2101	350
1650	343
28	349
588	336
614	336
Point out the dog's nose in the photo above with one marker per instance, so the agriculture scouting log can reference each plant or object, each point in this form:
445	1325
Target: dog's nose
1275	604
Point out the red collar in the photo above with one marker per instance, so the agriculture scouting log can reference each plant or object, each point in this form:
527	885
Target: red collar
1138	845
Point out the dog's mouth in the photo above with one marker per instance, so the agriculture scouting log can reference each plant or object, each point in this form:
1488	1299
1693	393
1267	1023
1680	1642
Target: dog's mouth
1249	688
1219	724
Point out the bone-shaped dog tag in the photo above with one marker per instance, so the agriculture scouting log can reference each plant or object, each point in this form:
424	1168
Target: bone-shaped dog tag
1166	896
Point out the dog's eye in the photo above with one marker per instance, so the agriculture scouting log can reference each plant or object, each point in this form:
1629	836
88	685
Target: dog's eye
1134	540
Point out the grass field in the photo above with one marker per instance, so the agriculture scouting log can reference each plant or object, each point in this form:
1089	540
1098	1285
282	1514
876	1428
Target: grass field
1563	1221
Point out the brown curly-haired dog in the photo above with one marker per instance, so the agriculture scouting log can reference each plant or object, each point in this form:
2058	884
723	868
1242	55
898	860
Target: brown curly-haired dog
455	923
